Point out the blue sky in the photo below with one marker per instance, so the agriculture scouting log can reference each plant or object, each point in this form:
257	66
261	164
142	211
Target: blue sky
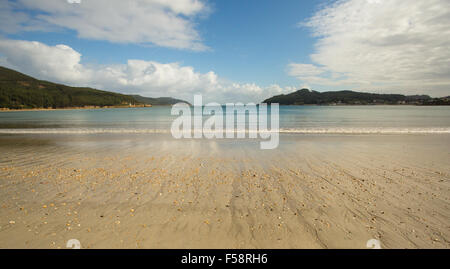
236	31
245	50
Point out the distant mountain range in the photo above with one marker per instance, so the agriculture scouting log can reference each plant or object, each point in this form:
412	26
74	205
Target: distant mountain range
19	91
157	101
308	97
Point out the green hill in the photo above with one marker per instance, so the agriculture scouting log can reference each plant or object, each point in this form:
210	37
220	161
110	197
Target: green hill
308	97
19	91
157	101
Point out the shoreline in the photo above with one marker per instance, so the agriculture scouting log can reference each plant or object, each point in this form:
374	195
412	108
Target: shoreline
71	108
148	105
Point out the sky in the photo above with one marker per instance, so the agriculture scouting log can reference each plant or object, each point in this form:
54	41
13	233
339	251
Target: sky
231	50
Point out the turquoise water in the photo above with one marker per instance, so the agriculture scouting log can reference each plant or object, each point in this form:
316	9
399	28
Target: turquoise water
294	119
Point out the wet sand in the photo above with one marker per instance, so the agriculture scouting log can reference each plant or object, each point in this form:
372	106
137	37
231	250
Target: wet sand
151	191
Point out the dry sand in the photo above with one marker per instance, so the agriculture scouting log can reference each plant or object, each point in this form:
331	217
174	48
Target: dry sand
150	191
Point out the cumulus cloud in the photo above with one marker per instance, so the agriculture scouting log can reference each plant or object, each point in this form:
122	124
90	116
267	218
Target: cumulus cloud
389	45
62	64
158	22
304	70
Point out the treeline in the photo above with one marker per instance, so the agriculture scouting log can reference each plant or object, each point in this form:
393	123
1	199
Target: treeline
20	91
308	97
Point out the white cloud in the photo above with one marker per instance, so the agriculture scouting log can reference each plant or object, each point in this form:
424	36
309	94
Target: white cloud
61	64
158	22
384	44
300	70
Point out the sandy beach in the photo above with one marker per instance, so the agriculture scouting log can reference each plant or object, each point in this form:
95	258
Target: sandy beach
152	191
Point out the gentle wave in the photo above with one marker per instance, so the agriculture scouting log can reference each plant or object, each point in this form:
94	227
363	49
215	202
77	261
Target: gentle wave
281	130
81	131
367	130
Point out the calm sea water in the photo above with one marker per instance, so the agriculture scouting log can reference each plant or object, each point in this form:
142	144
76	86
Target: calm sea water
293	119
